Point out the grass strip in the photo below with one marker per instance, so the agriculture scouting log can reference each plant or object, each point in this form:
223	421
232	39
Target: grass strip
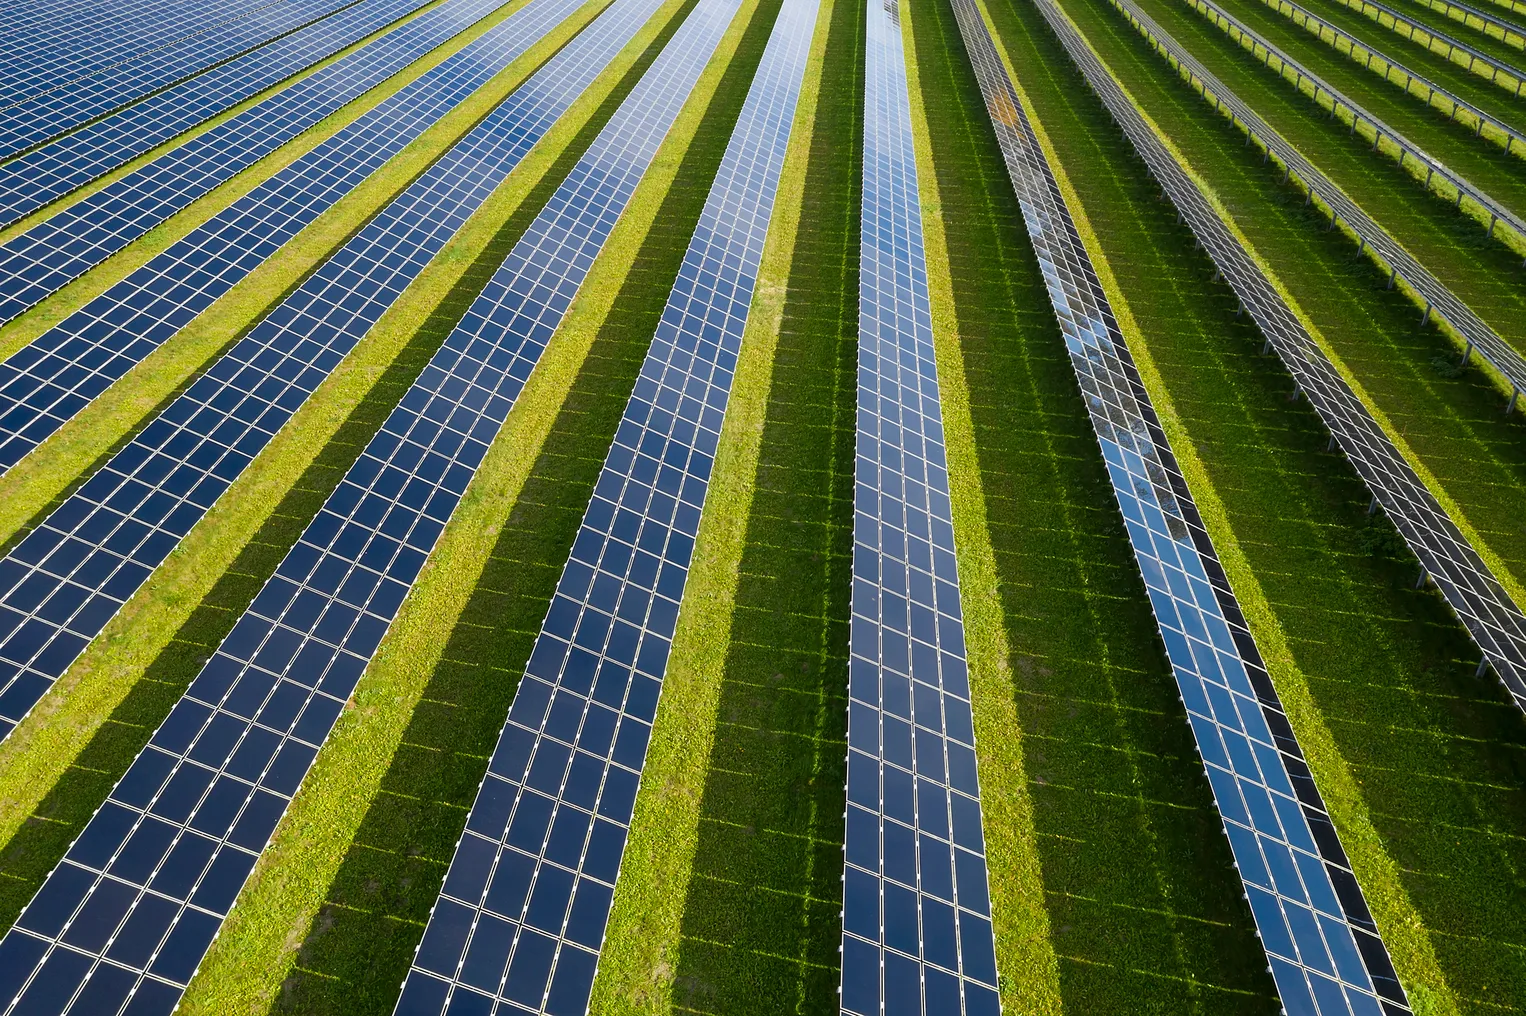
1029	969
42	749
1429	798
44	476
341	897
1143	903
639	958
1447	420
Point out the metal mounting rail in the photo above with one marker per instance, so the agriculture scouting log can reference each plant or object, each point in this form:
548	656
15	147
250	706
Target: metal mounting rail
1408	27
1452	9
1513	139
1464	579
1401	263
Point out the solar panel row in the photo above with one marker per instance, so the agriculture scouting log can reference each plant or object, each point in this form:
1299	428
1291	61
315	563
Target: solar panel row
48	381
31	181
61	43
60	585
45	116
1504	357
1425	34
917	934
128	915
59	250
1462	576
1400	75
522	914
1322	945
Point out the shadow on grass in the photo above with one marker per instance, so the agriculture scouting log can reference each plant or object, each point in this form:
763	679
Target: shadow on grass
358	949
760	928
1440	756
59	818
1144	907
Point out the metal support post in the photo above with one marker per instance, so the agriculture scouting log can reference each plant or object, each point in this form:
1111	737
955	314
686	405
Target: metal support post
1426	318
1372	509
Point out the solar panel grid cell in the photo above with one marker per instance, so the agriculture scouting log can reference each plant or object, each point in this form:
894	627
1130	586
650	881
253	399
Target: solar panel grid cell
917	933
522	914
48	381
32	181
103	541
1320	938
145	886
42	117
1464	579
59	250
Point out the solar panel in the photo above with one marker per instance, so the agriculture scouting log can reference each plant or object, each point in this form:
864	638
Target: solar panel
161	863
1321	942
917	934
45	383
522	913
31	181
1429	35
61	584
60	43
50	113
1469	586
54	253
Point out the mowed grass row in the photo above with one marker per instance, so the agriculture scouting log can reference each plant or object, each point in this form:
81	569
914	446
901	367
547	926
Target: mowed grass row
1144	908
1451	420
1486	274
1422	765
1466	29
359	923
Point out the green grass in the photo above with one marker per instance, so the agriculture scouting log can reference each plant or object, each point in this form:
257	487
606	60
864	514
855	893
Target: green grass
1453	424
760	930
353	948
1437	755
1467	27
1144	907
1486	275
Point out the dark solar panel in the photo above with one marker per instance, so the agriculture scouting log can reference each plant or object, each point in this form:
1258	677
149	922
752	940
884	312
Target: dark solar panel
522	914
32	181
1498	72
1478	335
1321	942
135	904
53	253
48	381
48	114
917	934
1485	608
61	584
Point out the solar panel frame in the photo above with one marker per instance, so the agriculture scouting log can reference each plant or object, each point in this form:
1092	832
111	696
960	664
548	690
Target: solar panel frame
55	252
1322	945
1467	583
569	760
917	933
45	383
34	180
1454	45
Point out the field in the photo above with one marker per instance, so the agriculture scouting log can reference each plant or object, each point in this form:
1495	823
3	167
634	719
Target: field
1113	887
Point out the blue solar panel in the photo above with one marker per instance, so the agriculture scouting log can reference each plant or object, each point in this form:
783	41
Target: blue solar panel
50	113
917	935
46	382
48	44
1321	942
55	252
32	181
219	772
522	913
61	584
